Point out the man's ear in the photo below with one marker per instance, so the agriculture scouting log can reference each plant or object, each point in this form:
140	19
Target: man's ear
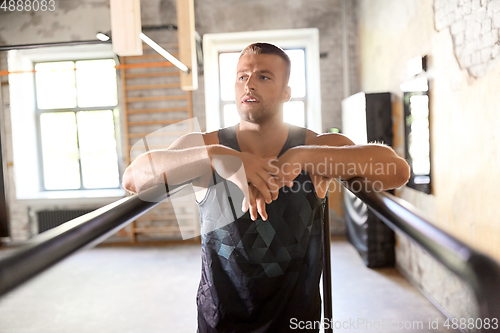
287	94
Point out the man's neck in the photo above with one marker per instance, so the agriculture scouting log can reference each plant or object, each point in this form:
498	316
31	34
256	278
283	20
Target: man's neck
264	140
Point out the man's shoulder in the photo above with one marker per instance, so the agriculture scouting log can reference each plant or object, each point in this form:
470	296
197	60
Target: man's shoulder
195	139
211	138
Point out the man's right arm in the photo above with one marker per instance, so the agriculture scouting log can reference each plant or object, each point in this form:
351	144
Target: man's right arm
186	159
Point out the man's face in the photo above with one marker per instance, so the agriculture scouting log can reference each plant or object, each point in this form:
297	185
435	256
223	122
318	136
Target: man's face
261	86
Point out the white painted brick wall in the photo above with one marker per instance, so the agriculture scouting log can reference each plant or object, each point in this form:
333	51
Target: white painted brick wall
475	27
496	20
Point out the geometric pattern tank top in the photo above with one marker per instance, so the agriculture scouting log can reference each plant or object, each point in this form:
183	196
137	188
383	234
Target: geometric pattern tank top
258	275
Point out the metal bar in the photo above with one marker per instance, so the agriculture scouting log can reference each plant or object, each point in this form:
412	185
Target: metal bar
477	269
164	53
327	270
50	247
34	46
41	252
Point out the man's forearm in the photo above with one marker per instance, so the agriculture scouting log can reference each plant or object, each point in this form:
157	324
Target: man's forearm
376	163
175	166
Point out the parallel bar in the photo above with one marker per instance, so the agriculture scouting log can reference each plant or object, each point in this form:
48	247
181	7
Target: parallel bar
477	269
41	252
48	248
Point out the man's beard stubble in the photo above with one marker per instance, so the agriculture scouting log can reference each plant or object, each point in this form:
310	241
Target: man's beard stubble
259	116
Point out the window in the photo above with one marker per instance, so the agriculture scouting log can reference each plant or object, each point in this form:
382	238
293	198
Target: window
293	111
76	105
221	53
417	133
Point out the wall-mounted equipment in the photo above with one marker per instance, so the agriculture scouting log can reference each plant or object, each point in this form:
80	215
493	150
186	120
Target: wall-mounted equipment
367	118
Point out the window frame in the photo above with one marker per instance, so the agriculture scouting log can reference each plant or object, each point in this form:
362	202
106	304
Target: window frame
39	112
23	129
425	187
307	39
418	86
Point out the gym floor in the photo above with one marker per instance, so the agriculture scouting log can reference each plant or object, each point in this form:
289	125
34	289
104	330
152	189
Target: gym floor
153	290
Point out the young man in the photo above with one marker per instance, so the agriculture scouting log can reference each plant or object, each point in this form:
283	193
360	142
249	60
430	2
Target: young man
262	274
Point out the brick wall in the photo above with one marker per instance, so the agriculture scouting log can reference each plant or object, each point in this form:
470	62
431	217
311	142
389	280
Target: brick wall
475	28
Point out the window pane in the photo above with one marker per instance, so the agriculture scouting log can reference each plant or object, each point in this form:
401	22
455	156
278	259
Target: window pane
298	73
55	85
418	145
227	65
231	116
60	151
96	134
96	83
293	113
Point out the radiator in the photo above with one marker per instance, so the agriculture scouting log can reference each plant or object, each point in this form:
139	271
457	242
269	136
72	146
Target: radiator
48	219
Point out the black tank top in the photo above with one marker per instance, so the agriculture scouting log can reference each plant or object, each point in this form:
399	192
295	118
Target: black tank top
258	275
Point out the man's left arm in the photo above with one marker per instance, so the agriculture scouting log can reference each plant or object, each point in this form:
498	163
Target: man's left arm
336	156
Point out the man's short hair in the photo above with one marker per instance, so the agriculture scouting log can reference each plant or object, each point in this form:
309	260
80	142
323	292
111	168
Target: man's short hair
268	48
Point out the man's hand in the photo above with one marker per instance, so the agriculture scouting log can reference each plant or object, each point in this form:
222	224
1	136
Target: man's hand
288	166
257	204
259	174
253	177
283	171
